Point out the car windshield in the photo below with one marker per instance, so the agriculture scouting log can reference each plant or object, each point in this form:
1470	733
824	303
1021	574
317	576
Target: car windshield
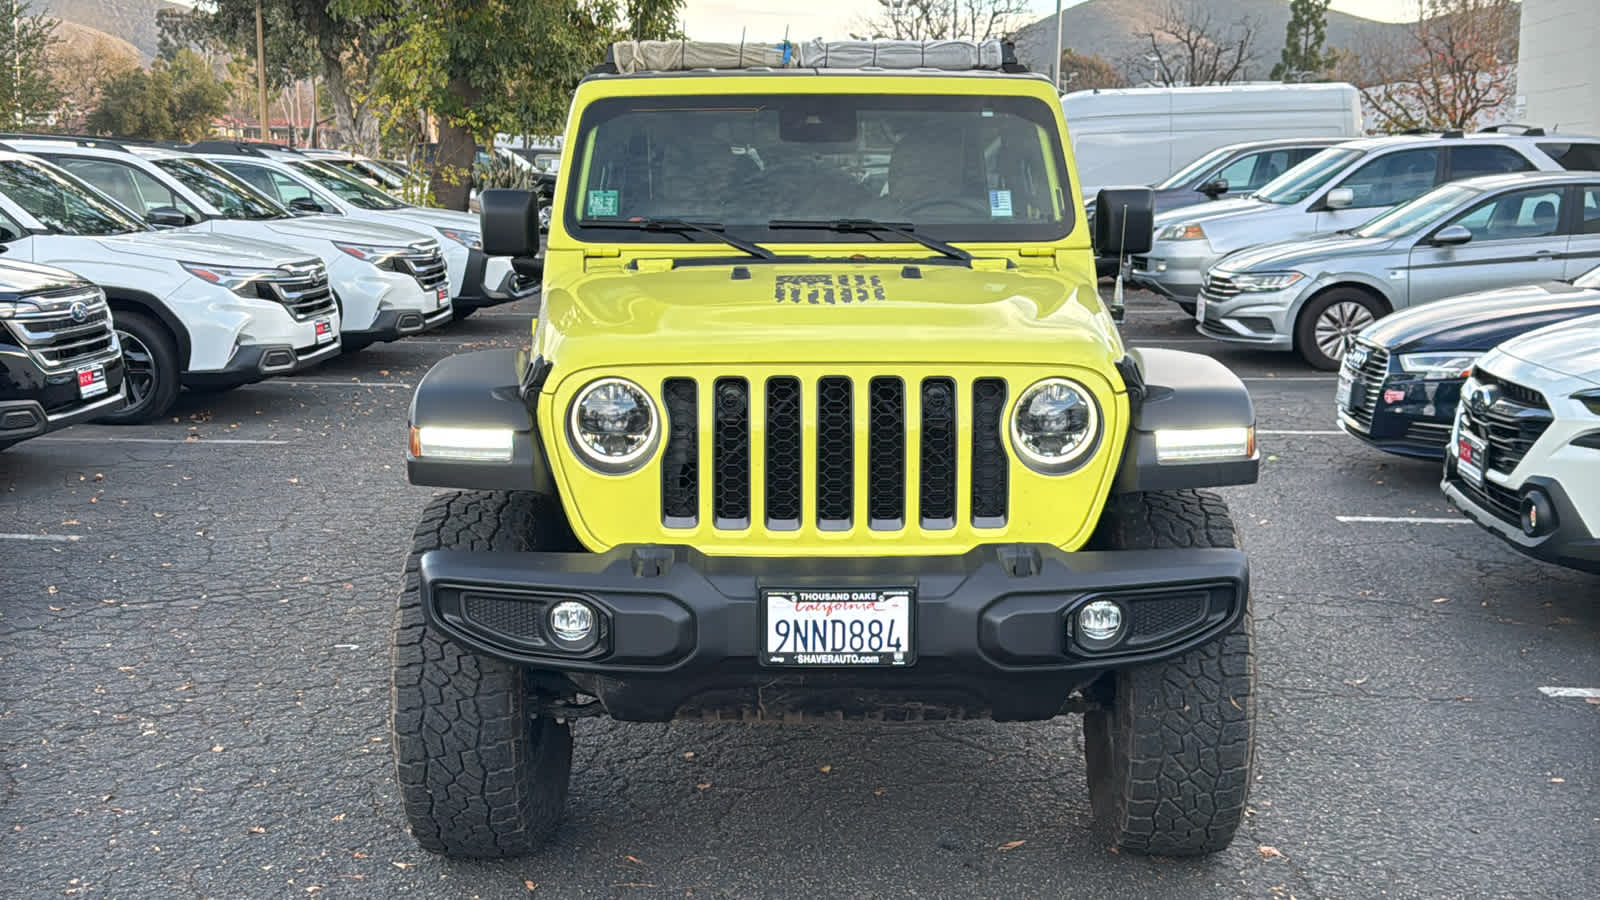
1302	180
1416	214
61	202
1186	175
233	198
348	188
1589	279
954	167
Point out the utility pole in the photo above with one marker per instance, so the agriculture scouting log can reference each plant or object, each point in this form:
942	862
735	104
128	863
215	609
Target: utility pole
16	67
261	75
1055	64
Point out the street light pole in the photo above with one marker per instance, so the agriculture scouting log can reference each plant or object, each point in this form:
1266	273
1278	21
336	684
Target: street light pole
261	75
1055	66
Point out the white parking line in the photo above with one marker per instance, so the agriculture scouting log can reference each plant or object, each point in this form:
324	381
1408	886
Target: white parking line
1570	692
1399	520
1291	431
1328	378
53	538
297	383
134	440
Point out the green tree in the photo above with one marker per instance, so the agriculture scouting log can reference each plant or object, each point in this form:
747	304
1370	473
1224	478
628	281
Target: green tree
176	100
28	92
1302	58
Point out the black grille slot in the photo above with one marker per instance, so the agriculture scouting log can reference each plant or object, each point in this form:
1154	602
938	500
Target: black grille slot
1368	385
680	462
1506	505
1155	619
886	455
1510	430
835	454
783	454
1428	433
425	264
519	619
730	449
1512	391
937	490
305	292
989	463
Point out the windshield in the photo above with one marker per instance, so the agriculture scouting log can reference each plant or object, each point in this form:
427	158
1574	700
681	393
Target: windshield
1184	176
233	198
62	203
954	167
1416	214
1303	180
351	190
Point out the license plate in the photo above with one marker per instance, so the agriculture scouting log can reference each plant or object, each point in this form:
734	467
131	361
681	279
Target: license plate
842	627
1472	457
92	381
442	295
1346	390
1200	309
325	332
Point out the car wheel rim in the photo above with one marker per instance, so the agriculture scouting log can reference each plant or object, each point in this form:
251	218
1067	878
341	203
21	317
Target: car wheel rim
138	369
1338	326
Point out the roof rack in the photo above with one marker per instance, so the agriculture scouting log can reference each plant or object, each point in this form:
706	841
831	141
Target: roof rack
237	148
629	57
1507	127
1454	133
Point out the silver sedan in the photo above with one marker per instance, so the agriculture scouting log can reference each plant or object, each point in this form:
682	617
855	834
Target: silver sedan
1313	295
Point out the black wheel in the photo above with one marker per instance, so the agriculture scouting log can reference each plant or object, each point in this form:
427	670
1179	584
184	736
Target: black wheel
457	313
1329	323
1170	746
150	368
480	774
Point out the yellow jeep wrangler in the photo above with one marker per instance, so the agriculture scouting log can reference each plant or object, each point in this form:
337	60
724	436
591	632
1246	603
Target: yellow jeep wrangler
823	418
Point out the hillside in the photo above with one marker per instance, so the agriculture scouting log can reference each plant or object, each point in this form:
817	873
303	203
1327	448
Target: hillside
131	20
82	39
1106	28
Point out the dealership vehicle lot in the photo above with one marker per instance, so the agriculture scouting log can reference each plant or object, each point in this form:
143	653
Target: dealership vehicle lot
194	688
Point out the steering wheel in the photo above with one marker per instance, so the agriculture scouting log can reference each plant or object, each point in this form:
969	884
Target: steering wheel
962	204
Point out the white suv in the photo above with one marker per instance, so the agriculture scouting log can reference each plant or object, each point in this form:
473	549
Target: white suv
310	183
202	310
389	282
1525	447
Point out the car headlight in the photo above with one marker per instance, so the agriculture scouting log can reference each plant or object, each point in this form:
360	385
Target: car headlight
1438	365
1183	231
239	279
372	253
1055	425
1189	445
1257	282
8	309
469	239
614	425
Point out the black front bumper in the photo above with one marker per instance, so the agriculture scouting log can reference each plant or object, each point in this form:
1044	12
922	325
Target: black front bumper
681	633
1415	423
394	324
255	362
1568	544
477	295
34	401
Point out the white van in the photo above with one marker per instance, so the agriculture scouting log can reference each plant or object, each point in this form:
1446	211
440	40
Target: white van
1142	135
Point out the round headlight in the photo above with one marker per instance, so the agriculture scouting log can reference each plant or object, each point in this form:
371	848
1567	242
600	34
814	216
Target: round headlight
614	424
1055	425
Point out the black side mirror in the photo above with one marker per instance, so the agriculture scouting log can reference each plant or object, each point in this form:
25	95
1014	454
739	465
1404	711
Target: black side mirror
1214	188
166	217
1124	221
510	222
305	204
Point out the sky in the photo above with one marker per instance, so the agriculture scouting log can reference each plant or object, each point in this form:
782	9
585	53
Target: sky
724	20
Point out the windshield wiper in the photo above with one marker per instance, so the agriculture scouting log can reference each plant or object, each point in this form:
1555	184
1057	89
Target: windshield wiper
680	226
873	226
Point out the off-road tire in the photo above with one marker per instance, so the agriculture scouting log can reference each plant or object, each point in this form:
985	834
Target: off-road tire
480	775
152	350
1170	746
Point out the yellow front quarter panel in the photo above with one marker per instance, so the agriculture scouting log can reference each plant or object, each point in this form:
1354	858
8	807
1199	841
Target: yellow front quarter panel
607	510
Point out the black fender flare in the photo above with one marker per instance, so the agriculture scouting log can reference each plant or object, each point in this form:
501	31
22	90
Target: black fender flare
484	389
139	301
1174	389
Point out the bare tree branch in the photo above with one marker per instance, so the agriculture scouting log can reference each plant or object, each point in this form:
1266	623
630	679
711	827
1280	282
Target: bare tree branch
1188	46
936	20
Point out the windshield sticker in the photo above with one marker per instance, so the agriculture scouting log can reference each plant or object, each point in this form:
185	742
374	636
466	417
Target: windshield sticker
830	289
1000	204
602	203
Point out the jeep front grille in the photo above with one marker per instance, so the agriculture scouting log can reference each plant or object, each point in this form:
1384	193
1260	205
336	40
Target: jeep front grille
56	338
303	291
818	439
425	263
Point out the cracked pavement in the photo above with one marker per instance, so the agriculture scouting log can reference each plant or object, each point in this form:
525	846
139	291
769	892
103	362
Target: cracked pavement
194	697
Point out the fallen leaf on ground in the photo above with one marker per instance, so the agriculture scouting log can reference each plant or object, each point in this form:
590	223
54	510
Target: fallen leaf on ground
825	769
1010	845
1268	851
256	829
1558	781
530	884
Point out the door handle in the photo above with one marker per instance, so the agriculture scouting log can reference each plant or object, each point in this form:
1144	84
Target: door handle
1544	255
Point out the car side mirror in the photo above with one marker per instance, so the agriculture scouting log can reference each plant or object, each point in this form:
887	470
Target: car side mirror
1124	221
1214	188
166	217
1450	236
509	221
1339	198
305	204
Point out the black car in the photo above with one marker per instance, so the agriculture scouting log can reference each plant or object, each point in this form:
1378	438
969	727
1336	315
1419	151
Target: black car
59	360
1235	170
1400	384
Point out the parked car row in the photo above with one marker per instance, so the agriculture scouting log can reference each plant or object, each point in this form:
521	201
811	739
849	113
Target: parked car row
133	271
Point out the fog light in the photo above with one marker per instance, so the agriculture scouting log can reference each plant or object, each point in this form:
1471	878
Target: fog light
572	623
1099	624
1538	515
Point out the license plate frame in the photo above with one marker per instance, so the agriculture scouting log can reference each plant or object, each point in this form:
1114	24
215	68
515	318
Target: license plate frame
441	298
835	608
324	331
1344	394
1200	309
92	381
1472	457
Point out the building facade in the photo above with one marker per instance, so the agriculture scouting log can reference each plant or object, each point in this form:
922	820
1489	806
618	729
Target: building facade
1558	66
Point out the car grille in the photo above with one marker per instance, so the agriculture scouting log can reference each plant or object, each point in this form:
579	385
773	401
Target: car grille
811	449
425	263
56	338
1220	287
303	290
1435	433
1503	503
1368	385
1511	426
1140	263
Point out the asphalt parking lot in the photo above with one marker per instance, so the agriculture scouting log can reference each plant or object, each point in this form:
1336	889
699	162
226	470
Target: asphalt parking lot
194	621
